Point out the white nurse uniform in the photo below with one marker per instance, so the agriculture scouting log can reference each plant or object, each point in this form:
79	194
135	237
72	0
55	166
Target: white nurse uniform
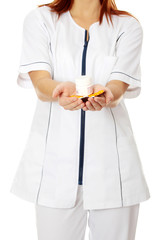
49	168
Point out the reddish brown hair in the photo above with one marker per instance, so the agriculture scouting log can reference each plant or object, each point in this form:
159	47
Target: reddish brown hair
108	7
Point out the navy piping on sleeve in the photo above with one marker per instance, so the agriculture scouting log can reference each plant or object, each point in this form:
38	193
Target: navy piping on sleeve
82	130
127	75
35	63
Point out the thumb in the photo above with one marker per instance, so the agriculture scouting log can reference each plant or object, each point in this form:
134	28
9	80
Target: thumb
57	91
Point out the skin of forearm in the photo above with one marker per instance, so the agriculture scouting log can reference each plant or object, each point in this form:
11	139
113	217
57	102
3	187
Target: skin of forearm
118	89
44	89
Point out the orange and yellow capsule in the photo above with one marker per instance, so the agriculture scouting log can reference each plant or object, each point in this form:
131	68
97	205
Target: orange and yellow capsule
90	95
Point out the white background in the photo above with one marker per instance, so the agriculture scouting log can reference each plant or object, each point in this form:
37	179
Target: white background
17	107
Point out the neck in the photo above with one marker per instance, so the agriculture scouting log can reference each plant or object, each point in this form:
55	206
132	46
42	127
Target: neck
86	9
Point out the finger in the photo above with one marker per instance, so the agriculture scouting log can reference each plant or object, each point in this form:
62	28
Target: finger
100	100
81	105
94	104
85	108
90	106
73	104
65	101
57	91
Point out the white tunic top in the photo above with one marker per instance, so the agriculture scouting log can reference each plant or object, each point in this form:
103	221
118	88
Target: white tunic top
48	171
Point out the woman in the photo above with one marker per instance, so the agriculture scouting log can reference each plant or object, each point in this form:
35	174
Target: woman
81	157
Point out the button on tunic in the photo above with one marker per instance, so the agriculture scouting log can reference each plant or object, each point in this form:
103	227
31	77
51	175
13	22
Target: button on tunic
49	168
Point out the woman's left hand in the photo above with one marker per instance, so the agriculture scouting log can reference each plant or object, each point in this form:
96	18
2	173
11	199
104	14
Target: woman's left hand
97	103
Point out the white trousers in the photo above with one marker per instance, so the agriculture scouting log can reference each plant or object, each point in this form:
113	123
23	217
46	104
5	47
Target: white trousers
70	223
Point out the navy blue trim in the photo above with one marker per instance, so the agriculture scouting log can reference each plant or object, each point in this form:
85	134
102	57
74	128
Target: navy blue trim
82	131
120	178
46	138
127	75
119	36
34	63
84	54
81	154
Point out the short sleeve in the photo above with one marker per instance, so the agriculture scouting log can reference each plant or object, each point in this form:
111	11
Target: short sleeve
35	49
128	51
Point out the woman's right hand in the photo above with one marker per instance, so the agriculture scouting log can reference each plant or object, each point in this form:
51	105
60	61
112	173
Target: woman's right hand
63	91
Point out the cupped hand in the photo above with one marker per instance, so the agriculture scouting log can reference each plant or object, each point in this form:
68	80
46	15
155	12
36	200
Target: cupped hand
63	91
97	103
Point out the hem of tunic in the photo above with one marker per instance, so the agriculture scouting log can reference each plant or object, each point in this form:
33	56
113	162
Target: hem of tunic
109	205
87	206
